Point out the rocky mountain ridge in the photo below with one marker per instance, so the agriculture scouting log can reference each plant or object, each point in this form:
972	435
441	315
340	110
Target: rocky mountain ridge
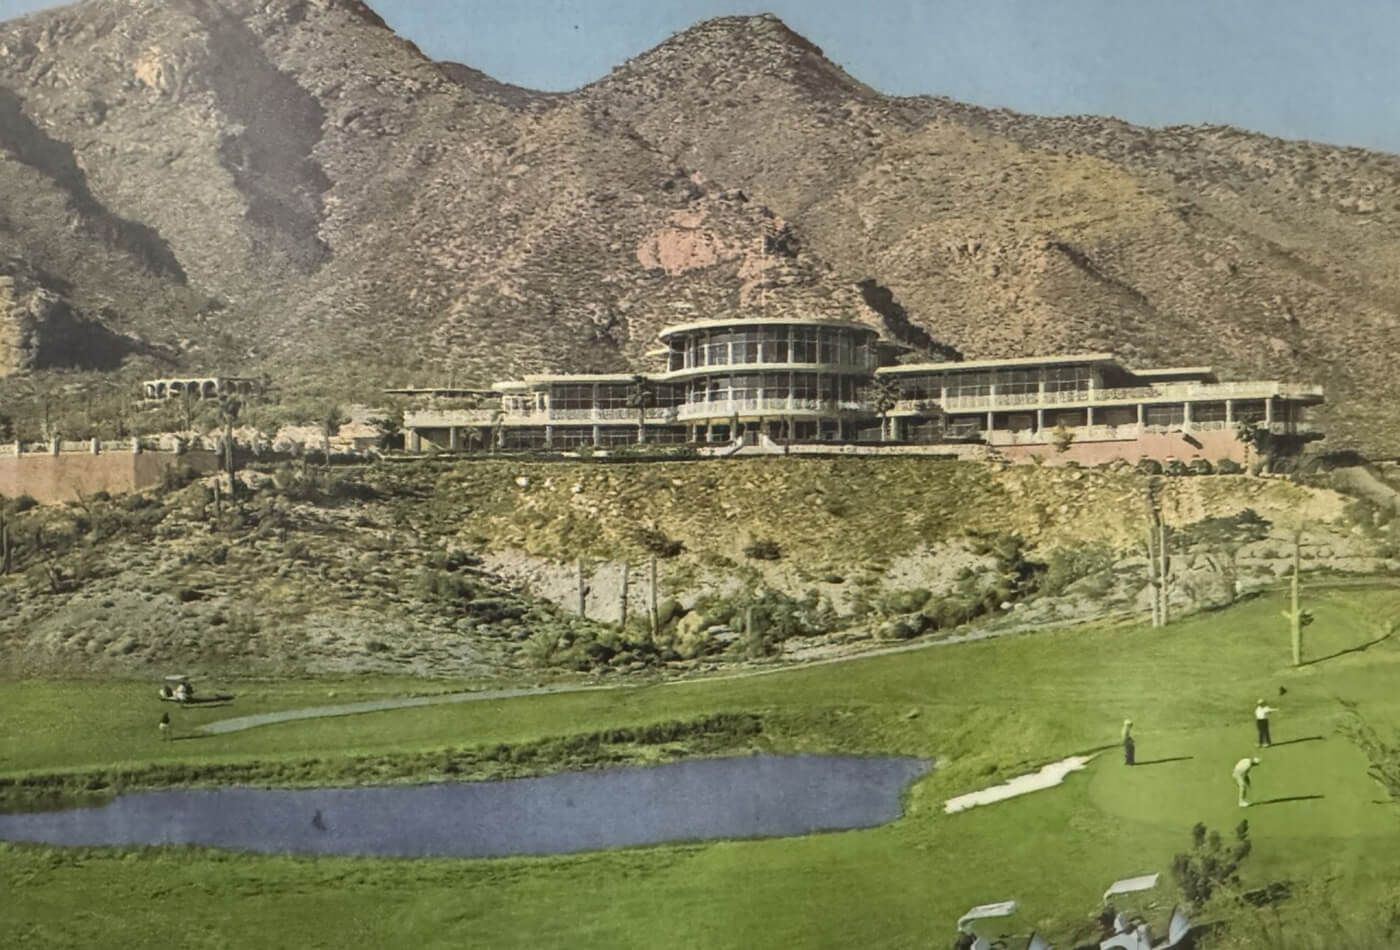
287	187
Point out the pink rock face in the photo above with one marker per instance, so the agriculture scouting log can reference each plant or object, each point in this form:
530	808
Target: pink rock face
678	249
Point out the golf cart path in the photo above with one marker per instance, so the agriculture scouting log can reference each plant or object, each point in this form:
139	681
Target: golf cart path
240	723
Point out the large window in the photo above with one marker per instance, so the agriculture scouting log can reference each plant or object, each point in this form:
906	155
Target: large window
613	395
1172	415
571	396
775	344
1018	381
804	345
1059	379
969	384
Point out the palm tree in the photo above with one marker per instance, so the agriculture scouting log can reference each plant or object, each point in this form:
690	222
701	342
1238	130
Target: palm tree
885	396
640	394
229	407
330	424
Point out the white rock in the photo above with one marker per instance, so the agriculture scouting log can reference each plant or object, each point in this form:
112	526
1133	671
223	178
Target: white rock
522	481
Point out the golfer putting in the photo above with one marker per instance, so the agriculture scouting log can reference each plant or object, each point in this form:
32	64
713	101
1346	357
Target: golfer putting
1241	773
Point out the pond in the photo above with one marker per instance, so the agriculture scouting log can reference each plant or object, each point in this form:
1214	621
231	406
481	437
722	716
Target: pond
574	811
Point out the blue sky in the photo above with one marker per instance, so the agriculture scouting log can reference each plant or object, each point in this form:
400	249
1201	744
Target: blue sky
1328	71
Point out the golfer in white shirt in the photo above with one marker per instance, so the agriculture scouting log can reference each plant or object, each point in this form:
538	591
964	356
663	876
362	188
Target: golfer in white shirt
1241	773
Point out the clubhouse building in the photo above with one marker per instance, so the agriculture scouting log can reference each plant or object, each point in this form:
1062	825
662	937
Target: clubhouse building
782	384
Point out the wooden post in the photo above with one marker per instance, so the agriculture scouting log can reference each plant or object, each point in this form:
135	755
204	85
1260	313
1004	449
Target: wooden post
582	592
1162	564
1152	579
1294	616
622	612
4	544
218	501
654	617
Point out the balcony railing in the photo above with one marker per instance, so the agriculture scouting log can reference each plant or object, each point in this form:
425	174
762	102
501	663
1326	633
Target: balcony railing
1167	392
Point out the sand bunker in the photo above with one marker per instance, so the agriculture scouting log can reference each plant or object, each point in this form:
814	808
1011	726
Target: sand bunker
1048	777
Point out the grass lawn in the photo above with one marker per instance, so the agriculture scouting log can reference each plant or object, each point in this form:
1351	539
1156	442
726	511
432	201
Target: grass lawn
985	711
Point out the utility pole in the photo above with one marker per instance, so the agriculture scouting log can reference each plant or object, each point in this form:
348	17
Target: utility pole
654	616
582	592
622	612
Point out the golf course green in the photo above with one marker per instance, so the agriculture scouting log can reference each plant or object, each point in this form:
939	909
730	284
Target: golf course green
983	711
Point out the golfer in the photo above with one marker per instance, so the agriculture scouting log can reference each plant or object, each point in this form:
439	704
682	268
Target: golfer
1241	773
164	726
1261	722
1129	747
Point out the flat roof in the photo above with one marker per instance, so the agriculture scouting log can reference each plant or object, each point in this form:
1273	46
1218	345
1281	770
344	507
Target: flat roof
992	364
763	321
1175	371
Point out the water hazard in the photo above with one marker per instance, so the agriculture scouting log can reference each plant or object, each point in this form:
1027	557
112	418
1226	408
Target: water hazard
575	811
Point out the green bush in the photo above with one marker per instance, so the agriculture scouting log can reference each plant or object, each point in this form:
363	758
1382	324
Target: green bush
1228	466
1176	467
1147	466
763	549
1066	565
1199	467
657	542
903	601
20	504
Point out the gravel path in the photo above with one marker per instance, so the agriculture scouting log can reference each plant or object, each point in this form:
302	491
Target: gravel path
240	723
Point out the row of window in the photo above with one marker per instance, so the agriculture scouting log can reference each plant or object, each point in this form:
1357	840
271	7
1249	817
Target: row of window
790	344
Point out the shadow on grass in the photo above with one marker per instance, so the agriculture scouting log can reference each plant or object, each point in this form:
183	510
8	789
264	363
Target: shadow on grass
1290	798
1275	745
193	735
1359	648
1175	758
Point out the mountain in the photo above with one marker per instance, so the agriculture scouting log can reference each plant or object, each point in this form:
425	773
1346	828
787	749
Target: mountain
287	187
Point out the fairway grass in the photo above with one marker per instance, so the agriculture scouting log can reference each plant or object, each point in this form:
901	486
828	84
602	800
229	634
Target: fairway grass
983	711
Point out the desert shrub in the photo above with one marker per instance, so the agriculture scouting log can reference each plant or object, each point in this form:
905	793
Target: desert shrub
297	550
1147	466
20	504
1199	467
1209	865
445	587
1066	565
175	477
1228	466
763	549
1175	467
453	559
903	601
657	542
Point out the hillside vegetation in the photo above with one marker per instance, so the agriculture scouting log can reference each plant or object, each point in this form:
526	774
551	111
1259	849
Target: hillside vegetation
471	567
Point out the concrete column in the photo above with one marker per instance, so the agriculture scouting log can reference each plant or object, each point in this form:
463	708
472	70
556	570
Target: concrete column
989	420
1088	415
1229	411
1185	417
597	435
1039	420
992	394
135	445
452	441
1142	414
415	441
53	446
19	447
1268	412
549	437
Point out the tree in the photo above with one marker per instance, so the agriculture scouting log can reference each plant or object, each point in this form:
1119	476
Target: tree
1256	438
1063	437
229	407
641	394
884	396
330	423
1209	865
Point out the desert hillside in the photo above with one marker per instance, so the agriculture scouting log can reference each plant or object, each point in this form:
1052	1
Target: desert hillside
289	188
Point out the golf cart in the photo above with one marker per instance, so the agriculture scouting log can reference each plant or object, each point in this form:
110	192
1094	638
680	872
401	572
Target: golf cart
176	689
984	911
1136	936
